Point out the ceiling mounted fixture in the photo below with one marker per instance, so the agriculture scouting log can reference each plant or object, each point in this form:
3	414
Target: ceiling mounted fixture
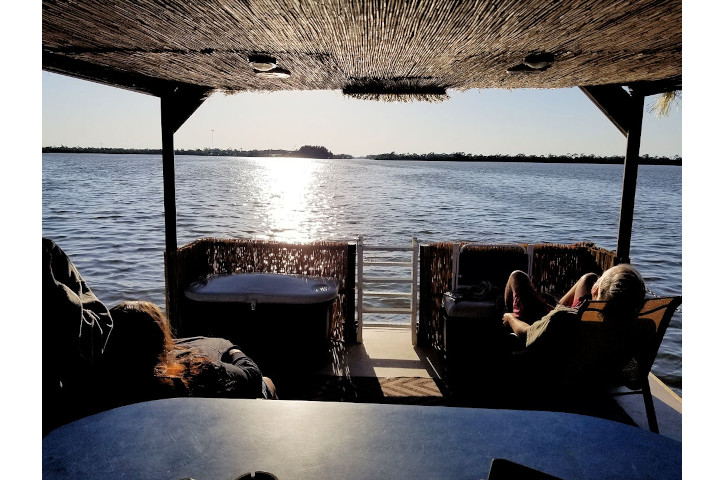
538	61
262	63
534	62
273	73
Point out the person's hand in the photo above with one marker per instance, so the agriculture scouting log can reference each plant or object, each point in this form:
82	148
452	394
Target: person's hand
508	318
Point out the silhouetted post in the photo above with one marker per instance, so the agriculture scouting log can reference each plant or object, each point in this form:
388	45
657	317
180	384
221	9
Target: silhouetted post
176	107
629	178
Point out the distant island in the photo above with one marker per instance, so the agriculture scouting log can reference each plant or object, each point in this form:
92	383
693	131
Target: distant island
316	151
307	151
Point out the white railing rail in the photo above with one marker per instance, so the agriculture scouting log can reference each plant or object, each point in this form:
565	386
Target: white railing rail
363	280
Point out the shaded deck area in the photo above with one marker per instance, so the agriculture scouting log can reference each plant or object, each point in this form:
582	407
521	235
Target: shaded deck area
387	369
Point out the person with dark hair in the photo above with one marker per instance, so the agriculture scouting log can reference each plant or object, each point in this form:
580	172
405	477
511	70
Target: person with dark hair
148	362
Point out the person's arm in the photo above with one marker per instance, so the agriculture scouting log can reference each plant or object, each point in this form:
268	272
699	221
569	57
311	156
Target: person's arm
245	373
519	327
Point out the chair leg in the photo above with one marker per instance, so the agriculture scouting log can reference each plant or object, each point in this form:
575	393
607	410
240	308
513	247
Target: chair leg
649	407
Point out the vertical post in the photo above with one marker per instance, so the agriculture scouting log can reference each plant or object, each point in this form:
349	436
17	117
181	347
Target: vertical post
350	331
167	155
425	306
167	159
177	105
414	293
455	255
530	254
359	282
629	180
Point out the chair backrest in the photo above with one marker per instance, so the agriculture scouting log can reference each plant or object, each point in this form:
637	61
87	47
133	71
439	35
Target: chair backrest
646	333
491	263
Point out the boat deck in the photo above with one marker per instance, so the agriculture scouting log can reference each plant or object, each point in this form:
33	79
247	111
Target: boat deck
387	368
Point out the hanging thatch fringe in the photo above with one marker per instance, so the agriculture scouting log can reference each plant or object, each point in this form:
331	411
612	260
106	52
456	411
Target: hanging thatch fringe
396	90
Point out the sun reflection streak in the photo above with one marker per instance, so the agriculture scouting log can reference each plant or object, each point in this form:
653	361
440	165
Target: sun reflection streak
289	188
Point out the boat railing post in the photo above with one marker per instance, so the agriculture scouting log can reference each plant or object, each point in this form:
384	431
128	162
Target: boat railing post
455	255
530	253
350	331
359	283
414	293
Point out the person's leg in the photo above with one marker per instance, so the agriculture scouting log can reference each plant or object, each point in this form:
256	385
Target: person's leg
518	281
521	298
581	289
270	392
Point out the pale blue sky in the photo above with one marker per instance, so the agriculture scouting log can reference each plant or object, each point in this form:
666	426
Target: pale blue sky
80	113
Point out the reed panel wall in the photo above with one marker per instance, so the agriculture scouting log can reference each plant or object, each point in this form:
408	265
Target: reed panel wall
209	256
555	268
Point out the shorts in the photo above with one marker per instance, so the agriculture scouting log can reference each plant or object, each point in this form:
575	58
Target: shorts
529	306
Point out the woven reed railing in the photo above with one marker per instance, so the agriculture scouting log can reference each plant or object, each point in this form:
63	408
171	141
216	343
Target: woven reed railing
555	269
226	256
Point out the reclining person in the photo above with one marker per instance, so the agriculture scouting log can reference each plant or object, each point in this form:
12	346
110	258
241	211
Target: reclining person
564	351
146	362
76	327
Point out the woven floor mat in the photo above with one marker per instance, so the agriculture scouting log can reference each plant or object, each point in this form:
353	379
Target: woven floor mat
407	390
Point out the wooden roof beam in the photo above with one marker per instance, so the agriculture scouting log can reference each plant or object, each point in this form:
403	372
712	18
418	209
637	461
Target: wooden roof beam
113	77
614	102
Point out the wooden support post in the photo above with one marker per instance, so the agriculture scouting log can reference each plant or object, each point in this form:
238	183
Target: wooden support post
629	178
625	112
176	107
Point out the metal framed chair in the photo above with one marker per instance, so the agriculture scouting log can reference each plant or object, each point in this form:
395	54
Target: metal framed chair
652	322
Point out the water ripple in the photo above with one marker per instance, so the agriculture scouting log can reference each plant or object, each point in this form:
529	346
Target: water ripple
107	212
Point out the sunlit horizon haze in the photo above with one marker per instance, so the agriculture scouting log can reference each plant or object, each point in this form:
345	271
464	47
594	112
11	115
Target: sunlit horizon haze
78	113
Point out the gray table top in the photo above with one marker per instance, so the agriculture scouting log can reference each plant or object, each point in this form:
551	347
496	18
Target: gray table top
208	439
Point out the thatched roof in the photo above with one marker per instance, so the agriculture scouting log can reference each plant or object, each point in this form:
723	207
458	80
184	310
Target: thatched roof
366	47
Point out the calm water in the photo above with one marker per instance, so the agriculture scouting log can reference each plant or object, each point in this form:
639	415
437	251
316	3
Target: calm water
106	212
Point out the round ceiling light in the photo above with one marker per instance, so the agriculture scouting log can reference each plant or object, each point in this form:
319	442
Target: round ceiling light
273	73
262	63
538	61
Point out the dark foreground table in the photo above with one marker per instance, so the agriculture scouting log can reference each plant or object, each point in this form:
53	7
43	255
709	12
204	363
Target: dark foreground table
222	439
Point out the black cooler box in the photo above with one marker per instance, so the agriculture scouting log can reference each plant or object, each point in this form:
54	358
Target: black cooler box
281	321
474	338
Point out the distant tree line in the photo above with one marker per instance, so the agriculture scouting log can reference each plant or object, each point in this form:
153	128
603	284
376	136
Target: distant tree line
316	151
568	158
306	151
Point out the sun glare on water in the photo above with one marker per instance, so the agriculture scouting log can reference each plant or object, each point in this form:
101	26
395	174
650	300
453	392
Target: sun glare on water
290	194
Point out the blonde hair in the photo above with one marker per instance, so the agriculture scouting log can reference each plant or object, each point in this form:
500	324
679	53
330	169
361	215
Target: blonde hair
622	286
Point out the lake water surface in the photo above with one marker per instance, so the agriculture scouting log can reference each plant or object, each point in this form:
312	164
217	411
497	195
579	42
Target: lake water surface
106	212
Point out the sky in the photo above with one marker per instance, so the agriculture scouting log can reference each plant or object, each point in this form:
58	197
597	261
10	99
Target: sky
492	121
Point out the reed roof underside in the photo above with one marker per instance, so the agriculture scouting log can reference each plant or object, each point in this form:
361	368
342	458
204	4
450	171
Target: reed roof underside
393	47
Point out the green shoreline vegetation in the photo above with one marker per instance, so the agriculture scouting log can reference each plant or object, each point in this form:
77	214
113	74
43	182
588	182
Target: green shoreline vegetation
309	151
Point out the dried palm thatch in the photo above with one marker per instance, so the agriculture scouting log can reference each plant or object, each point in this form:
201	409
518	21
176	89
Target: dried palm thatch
395	90
154	47
662	105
